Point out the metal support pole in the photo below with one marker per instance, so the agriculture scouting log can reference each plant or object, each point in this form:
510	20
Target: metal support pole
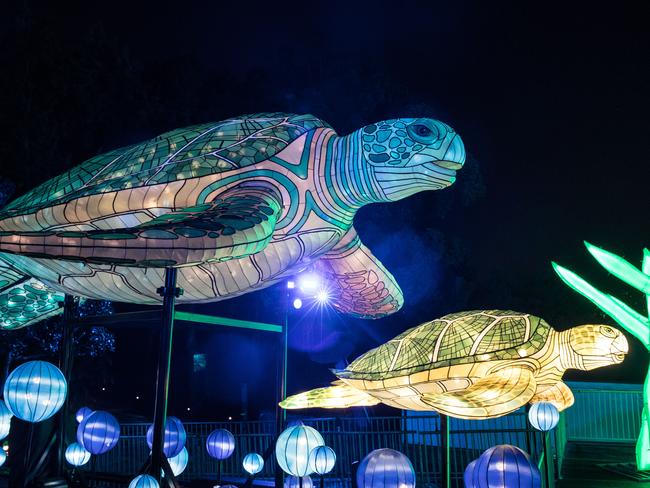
66	355
280	413
444	451
169	293
548	474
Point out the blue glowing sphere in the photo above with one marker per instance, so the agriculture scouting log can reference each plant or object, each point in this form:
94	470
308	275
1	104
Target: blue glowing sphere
469	474
98	432
174	440
5	420
295	482
543	416
3	457
293	448
76	455
322	460
35	391
82	413
144	481
253	463
385	468
179	462
505	465
220	444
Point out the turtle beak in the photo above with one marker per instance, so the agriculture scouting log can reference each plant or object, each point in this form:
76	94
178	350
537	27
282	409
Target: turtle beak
454	158
619	348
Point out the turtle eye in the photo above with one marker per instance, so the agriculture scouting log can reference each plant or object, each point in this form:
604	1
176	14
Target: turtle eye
608	331
422	133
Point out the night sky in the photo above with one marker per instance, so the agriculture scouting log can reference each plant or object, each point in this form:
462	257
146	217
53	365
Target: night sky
552	106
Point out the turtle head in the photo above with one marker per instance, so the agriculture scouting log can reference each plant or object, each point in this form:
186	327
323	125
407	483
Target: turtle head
597	345
407	156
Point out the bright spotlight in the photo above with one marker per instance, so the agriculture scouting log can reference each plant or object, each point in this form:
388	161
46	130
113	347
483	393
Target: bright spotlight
291	284
309	282
322	297
297	303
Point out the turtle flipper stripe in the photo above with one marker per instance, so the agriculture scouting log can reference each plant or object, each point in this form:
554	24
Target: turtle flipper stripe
338	396
239	223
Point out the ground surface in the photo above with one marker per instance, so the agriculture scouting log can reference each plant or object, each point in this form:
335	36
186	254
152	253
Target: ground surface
580	468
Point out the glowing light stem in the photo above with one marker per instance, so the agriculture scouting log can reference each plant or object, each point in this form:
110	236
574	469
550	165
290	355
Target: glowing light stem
643	443
632	321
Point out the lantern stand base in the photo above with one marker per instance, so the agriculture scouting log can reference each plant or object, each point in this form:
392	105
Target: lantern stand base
169	293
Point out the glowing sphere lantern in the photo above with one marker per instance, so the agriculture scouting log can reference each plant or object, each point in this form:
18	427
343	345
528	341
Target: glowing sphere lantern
322	460
3	457
174	440
82	413
35	391
293	448
220	444
295	482
543	416
178	463
76	455
385	468
505	465
253	463
144	481
468	476
5	420
98	432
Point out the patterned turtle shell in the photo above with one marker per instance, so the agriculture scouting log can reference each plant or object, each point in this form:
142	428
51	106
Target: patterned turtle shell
458	338
190	152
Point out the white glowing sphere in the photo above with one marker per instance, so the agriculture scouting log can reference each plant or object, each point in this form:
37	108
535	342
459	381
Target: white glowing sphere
253	463
322	460
76	455
543	416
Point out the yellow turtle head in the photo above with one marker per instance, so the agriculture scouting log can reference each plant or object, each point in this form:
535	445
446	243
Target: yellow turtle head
597	345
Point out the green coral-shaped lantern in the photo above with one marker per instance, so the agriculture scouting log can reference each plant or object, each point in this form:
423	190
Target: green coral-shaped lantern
634	322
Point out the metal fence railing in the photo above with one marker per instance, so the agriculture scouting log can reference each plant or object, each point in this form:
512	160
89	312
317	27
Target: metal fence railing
417	436
601	413
604	413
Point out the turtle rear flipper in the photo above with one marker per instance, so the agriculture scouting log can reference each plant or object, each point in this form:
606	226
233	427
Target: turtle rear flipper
497	394
357	282
337	396
23	300
238	223
559	395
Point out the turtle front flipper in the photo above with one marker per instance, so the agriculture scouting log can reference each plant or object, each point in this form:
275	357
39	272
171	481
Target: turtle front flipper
497	394
558	394
238	223
357	282
335	396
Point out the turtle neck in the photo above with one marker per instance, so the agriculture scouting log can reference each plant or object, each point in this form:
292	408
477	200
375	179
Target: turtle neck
568	357
351	179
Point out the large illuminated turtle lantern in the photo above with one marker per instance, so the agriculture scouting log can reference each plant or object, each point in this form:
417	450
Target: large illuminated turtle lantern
235	205
476	364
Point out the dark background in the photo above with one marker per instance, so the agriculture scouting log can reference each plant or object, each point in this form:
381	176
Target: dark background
552	104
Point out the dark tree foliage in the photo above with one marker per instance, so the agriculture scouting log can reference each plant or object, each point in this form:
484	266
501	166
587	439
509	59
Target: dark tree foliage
43	340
